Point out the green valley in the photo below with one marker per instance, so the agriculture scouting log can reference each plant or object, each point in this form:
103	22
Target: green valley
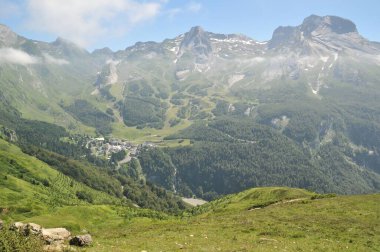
201	142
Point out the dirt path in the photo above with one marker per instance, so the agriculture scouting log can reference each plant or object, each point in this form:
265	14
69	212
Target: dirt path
277	203
128	157
194	202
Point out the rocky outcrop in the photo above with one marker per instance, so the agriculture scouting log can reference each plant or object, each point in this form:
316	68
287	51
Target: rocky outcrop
17	226
54	238
49	235
333	24
55	235
311	26
81	240
8	134
198	43
284	35
322	34
32	229
7	36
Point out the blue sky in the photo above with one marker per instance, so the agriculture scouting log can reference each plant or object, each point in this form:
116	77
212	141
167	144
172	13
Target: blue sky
120	23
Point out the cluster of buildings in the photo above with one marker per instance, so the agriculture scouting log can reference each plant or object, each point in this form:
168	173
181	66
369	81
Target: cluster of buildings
102	147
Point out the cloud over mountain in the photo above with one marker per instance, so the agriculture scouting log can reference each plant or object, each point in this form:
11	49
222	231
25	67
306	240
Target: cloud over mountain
83	22
14	56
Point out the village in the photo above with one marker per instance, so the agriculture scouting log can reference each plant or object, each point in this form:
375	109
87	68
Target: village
104	148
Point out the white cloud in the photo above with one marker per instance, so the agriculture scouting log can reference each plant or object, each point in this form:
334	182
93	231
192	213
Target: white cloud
14	56
51	60
257	59
173	12
140	12
85	21
112	62
194	7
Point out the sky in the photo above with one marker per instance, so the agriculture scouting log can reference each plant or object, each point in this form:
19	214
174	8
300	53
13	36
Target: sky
118	24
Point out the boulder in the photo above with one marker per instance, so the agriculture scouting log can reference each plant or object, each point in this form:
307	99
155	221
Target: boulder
55	235
57	248
81	240
32	228
17	226
26	229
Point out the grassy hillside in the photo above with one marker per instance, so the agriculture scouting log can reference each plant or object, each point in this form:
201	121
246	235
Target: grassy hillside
34	180
30	187
261	219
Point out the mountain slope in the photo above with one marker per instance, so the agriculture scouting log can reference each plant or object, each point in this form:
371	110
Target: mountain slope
311	91
30	187
323	54
262	219
230	155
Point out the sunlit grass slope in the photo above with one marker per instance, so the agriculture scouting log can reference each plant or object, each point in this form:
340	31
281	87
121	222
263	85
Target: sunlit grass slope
261	219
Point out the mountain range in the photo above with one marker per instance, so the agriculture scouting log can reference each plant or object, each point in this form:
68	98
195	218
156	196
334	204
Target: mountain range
231	112
112	146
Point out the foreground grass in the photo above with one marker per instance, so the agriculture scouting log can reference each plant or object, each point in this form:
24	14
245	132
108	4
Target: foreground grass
342	223
260	219
29	187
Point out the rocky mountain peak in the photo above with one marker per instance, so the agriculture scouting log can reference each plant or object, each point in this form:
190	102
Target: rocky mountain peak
61	41
283	35
332	24
327	28
4	28
7	36
196	30
197	41
68	48
103	51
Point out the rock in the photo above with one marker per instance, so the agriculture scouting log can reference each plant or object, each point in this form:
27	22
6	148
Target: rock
55	235
58	248
17	226
81	240
32	228
1	224
197	41
26	229
54	238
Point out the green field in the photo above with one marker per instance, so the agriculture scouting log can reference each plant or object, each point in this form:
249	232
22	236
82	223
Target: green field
262	219
259	219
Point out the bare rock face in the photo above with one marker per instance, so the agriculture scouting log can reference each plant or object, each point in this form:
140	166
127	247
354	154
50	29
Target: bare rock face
328	23
197	42
329	31
284	35
7	36
81	240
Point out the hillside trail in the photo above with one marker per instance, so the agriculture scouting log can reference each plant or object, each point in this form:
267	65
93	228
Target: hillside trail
278	203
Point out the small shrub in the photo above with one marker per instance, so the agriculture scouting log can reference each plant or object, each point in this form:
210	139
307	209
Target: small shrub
46	182
83	195
322	196
13	241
